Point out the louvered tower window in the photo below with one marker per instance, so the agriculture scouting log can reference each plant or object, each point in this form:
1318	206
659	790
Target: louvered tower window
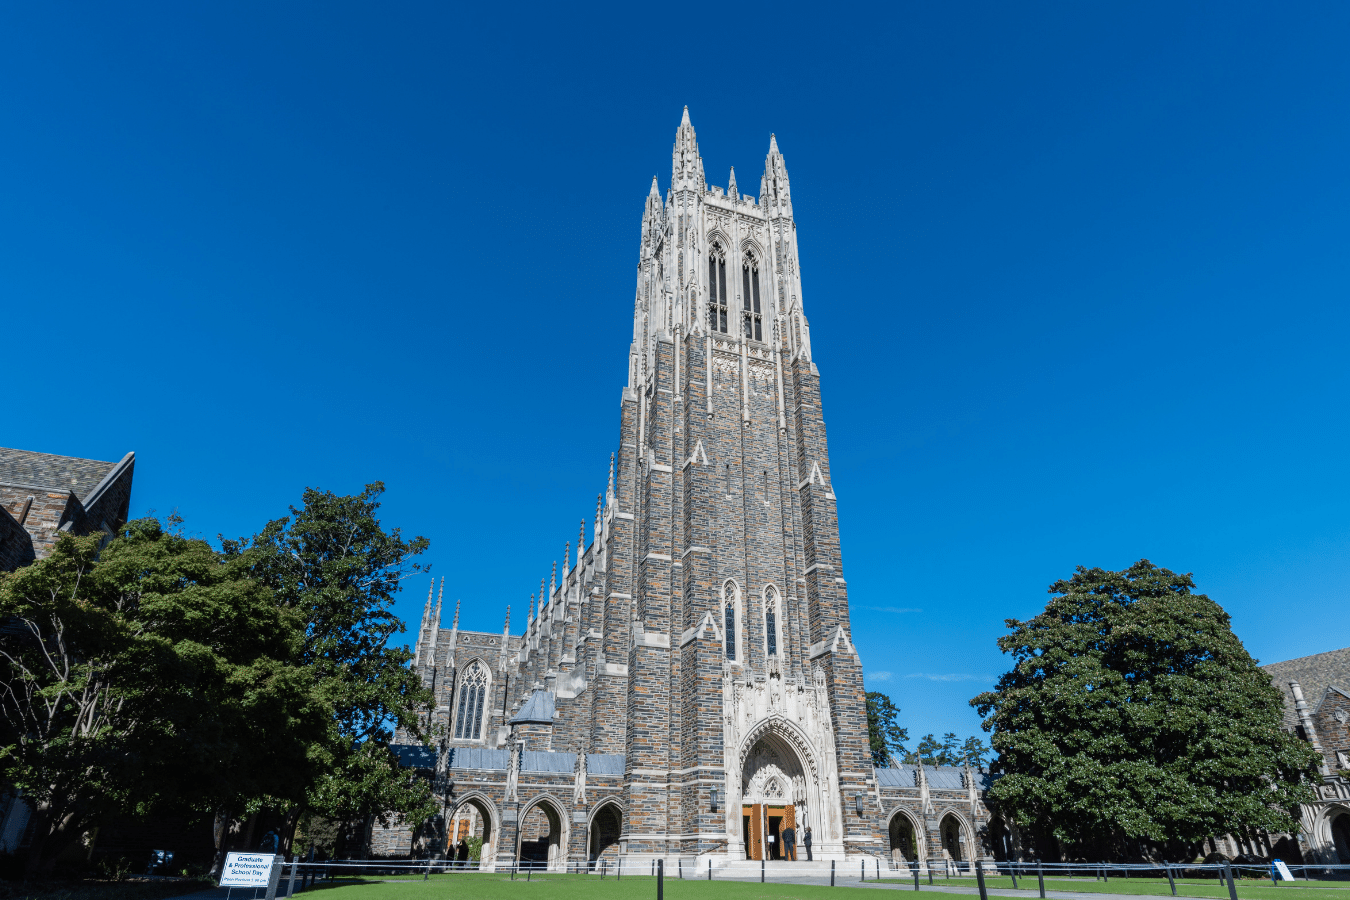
771	621
753	320
731	630
472	694
717	290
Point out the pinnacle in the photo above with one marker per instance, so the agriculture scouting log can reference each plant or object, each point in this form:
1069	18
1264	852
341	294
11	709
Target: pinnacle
655	192
685	119
773	144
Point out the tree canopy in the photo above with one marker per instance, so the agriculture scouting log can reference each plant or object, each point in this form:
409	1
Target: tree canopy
885	736
332	565
1133	713
950	751
153	675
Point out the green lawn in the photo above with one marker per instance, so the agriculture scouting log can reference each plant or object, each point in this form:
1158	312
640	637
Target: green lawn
1249	889
553	886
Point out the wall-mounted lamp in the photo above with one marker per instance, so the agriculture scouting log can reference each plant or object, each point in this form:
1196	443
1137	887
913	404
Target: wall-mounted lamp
714	799
857	804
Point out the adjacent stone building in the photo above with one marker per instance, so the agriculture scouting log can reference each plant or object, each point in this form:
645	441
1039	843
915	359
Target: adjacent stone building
42	495
1317	709
687	686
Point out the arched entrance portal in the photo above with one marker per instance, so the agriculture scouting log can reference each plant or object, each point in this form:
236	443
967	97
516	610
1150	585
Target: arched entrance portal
773	797
904	843
606	826
470	840
542	842
1340	836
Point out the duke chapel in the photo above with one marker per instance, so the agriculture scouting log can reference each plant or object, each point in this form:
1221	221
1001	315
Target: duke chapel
688	686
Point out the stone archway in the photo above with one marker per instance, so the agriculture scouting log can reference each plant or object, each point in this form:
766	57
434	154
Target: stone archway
774	796
474	816
953	838
1339	828
542	836
904	836
605	828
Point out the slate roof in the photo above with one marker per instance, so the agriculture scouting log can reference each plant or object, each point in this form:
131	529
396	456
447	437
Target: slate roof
538	711
1314	674
534	761
414	756
940	778
46	472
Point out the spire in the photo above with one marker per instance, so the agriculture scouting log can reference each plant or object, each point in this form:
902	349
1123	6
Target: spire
731	185
553	581
426	610
506	629
774	185
455	625
439	598
530	613
581	542
686	166
542	596
609	492
567	557
598	514
655	192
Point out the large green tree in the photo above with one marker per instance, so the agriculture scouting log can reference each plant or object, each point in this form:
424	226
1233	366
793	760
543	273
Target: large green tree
333	565
1133	714
151	675
885	737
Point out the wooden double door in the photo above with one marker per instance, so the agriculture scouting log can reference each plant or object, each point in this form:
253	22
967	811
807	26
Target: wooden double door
762	821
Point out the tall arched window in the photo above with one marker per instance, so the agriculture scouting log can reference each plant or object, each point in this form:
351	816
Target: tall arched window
753	321
729	618
717	290
771	621
472	696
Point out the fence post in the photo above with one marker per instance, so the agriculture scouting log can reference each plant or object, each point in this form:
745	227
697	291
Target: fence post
862	870
679	868
761	871
425	875
878	868
1012	872
1040	877
1273	880
979	879
1170	881
710	868
274	878
660	878
916	874
1232	888
831	873
295	861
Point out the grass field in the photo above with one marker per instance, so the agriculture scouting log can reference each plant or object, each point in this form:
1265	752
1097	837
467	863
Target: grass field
1157	887
552	886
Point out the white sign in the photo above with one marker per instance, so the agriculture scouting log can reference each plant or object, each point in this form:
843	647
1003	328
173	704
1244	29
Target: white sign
1285	874
246	869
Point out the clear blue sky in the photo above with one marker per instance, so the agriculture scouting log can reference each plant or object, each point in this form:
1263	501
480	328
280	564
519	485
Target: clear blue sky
1077	276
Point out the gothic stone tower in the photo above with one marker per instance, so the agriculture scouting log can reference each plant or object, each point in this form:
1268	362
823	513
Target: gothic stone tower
690	681
742	675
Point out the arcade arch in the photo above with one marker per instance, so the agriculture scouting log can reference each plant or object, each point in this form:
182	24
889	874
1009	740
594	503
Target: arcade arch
1340	835
904	834
955	839
474	816
543	835
605	827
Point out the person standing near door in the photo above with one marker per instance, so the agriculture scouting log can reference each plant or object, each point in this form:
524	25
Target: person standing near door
790	844
806	842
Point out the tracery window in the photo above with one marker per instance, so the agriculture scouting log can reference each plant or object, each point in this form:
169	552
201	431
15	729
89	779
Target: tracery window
472	695
717	290
771	621
729	619
752	320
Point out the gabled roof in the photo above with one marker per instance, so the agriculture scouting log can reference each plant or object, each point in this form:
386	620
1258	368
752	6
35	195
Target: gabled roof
538	711
47	472
1314	674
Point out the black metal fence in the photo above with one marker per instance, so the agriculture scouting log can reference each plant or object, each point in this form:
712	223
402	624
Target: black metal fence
290	878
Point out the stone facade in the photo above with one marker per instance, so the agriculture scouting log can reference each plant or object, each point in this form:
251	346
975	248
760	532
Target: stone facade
42	495
686	684
1317	708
